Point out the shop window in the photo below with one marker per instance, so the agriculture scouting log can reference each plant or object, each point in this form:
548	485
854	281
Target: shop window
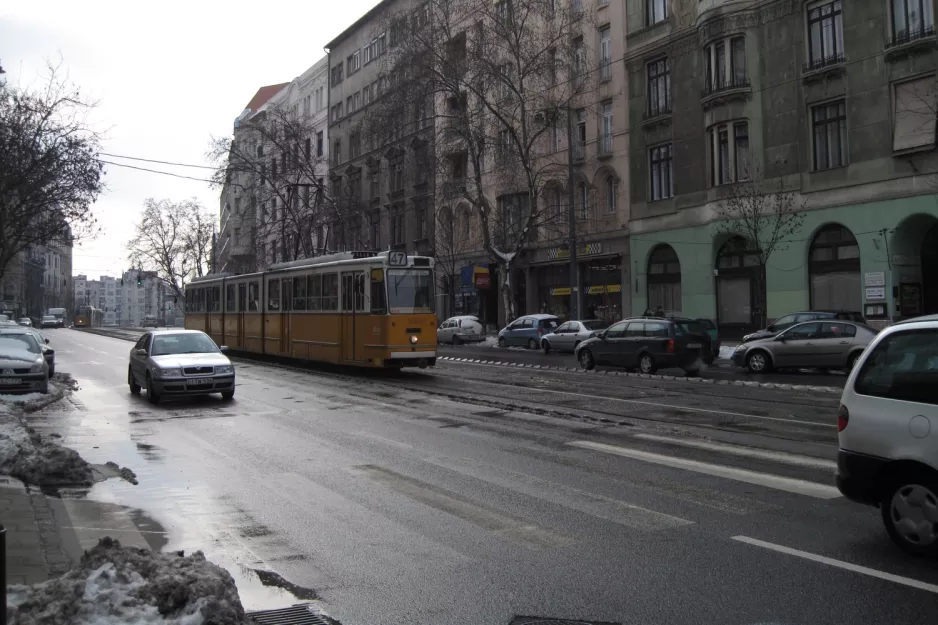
834	269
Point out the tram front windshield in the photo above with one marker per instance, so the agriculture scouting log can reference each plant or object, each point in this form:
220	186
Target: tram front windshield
410	290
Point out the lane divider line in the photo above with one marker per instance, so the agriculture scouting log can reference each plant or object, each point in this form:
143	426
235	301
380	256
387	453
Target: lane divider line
746	452
855	568
777	482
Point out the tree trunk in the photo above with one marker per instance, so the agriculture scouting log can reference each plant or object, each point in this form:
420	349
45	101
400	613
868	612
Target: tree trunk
507	299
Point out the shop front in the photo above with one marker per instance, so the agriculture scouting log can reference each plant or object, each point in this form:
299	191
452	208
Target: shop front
600	277
476	293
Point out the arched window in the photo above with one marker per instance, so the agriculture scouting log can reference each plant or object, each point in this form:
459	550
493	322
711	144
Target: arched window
737	270
664	280
834	269
612	187
583	198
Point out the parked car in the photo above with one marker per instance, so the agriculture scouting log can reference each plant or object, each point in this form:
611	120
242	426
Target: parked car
47	352
26	322
527	330
815	344
714	335
786	321
149	321
48	321
888	443
649	343
22	365
460	329
570	334
179	362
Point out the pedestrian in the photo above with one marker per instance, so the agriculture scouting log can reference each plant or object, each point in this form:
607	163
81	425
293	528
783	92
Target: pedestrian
659	312
591	312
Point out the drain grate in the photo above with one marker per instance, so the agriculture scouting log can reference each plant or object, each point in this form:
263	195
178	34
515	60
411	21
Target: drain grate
301	614
544	620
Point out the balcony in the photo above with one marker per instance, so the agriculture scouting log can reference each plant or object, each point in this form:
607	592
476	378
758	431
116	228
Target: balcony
605	69
579	150
816	69
657	114
604	146
454	188
907	42
732	88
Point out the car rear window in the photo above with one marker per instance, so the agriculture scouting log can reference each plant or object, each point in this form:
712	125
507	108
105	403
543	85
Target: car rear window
596	324
549	323
903	366
688	327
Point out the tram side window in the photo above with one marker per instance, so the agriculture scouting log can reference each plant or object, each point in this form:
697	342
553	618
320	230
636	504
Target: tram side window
273	295
379	304
359	291
200	300
347	291
189	300
286	291
230	301
299	293
253	297
216	299
330	291
314	292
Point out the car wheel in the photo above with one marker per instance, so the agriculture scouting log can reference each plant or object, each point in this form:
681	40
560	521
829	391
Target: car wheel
647	364
532	344
152	395
909	513
852	362
134	387
691	373
457	340
586	359
757	361
501	341
44	389
227	394
51	371
545	345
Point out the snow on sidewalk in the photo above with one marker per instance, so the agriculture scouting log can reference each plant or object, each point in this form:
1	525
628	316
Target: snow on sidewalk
32	459
114	585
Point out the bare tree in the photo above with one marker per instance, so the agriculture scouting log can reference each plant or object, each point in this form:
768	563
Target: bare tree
173	239
452	243
50	173
503	79
766	215
276	159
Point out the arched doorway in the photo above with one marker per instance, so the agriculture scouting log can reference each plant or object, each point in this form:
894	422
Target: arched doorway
834	270
739	304
930	271
664	280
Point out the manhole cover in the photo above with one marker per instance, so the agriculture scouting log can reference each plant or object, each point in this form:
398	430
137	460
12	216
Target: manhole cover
302	614
545	620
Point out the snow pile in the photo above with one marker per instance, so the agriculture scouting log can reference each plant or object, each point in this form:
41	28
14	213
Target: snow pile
115	585
30	458
726	351
31	402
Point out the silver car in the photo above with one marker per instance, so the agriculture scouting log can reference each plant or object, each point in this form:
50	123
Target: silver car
815	344
179	362
570	334
22	366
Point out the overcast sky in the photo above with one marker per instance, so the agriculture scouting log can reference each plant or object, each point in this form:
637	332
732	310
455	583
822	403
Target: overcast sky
168	76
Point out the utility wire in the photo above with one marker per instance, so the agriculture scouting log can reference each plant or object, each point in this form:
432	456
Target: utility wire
150	160
155	171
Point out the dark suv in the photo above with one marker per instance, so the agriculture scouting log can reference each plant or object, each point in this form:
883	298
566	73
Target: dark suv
649	344
786	321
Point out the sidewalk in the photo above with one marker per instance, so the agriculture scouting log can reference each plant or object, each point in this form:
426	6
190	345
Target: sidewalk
34	546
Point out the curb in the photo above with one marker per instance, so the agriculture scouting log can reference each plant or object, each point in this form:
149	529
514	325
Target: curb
750	384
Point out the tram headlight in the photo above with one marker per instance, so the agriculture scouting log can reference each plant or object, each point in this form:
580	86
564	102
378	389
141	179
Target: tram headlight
413	339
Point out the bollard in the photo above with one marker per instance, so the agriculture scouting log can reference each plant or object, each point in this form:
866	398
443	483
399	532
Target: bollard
3	575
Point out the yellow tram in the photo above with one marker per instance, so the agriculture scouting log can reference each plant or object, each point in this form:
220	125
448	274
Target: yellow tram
89	317
353	308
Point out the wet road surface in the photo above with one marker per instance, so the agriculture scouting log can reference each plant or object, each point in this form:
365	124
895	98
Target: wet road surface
472	493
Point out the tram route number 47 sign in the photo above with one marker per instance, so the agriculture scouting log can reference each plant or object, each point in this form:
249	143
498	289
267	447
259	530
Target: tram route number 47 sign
397	259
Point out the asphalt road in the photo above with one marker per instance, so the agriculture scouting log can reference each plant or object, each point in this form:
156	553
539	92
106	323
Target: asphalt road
473	493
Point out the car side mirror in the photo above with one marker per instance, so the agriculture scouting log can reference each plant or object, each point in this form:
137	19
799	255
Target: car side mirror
141	352
781	338
771	328
223	348
47	341
601	336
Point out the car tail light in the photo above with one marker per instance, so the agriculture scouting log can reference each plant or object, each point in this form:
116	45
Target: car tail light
540	330
670	347
843	418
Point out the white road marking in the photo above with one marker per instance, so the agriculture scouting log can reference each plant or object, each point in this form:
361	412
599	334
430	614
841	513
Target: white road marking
856	568
801	487
688	408
747	452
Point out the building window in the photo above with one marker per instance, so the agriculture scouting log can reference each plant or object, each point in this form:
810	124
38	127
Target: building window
834	269
726	64
915	104
397	176
354	62
579	134
319	143
307	149
349	108
825	34
375	185
659	87
664	280
397	227
605	53
579	65
503	149
336	74
420	216
337	151
662	172
583	199
366	96
728	146
912	19
656	11
829	122
503	11
605	137
375	230
355	144
612	188
507	75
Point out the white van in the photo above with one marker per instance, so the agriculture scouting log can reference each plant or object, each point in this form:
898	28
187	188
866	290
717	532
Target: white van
149	321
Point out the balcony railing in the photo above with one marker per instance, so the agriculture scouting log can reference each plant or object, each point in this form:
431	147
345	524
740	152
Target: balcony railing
823	62
904	37
604	145
454	188
579	150
605	69
657	109
723	85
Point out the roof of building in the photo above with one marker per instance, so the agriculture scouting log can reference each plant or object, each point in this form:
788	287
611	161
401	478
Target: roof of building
358	23
263	94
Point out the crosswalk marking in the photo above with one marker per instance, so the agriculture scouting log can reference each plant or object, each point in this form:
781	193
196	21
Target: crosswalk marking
856	568
777	482
747	452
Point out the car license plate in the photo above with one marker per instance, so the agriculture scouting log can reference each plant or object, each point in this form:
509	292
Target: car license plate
693	346
199	382
10	381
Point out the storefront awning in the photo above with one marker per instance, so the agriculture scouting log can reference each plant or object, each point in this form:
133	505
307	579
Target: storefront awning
589	290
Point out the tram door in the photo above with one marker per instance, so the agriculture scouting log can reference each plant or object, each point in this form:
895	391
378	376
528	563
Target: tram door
286	299
353	299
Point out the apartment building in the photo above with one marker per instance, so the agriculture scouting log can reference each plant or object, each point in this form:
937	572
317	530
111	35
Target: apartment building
381	181
105	294
142	293
832	101
37	279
